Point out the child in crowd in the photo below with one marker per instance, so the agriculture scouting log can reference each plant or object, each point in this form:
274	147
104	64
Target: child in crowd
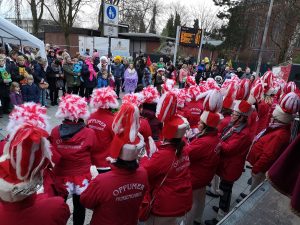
102	79
30	91
5	81
15	94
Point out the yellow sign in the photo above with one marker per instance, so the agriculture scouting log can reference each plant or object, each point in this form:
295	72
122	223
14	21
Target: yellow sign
190	37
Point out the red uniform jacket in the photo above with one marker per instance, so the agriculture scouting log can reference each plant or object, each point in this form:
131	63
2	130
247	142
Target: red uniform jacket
253	123
116	196
263	116
204	159
192	112
35	210
267	149
174	197
233	152
101	122
75	152
224	123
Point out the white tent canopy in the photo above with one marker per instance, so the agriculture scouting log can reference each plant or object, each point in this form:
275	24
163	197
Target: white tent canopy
10	33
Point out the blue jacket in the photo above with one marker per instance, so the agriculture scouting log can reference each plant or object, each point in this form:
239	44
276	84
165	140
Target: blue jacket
38	73
102	82
118	70
31	93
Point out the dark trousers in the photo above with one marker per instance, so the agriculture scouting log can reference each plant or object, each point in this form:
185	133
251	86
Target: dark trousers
118	82
73	90
5	104
81	90
88	92
79	211
225	199
54	95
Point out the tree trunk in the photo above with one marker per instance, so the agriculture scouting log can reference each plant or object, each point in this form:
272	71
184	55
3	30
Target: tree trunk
292	44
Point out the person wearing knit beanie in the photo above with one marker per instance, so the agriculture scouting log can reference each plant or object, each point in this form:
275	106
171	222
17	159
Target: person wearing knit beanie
76	144
24	158
269	144
203	157
103	104
115	197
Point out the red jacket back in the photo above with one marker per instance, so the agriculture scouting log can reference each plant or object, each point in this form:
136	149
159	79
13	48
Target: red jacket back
75	152
268	148
116	196
101	122
174	197
233	155
204	159
35	210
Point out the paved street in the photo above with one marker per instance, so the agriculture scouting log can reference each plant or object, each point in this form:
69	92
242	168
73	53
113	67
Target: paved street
239	186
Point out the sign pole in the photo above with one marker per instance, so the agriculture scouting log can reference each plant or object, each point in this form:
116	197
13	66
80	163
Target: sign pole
200	48
109	51
176	44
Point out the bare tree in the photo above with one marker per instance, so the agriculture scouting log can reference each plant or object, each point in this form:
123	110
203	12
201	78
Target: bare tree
36	6
67	12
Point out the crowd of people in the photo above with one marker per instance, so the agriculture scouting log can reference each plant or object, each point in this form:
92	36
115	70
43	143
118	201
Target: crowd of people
149	160
26	77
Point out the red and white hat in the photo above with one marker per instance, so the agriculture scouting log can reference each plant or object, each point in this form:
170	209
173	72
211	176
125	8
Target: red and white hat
211	84
243	90
229	92
190	80
25	156
151	94
289	87
182	97
212	106
136	99
268	82
127	142
174	126
194	91
72	107
242	107
30	112
288	105
256	92
168	85
104	98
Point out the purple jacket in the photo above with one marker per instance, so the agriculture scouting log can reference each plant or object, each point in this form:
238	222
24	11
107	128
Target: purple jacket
15	98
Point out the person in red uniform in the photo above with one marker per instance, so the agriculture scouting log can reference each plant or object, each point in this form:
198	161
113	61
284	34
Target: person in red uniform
25	155
103	102
168	172
233	146
203	157
76	145
151	97
115	196
271	142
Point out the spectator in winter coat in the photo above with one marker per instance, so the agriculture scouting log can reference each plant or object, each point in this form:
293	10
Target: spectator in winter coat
72	77
54	72
130	79
5	81
11	66
247	74
76	144
116	196
89	74
233	147
183	74
39	76
30	91
239	72
118	73
15	94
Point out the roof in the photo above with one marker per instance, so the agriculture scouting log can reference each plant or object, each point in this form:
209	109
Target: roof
13	34
145	36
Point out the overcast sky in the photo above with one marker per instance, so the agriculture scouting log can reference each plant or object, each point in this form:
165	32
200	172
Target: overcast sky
90	21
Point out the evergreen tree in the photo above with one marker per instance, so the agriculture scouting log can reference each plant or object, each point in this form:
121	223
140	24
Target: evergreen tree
196	24
177	22
142	27
169	28
153	20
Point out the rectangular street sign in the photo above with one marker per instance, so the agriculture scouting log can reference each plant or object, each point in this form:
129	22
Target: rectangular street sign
111	14
190	37
111	31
